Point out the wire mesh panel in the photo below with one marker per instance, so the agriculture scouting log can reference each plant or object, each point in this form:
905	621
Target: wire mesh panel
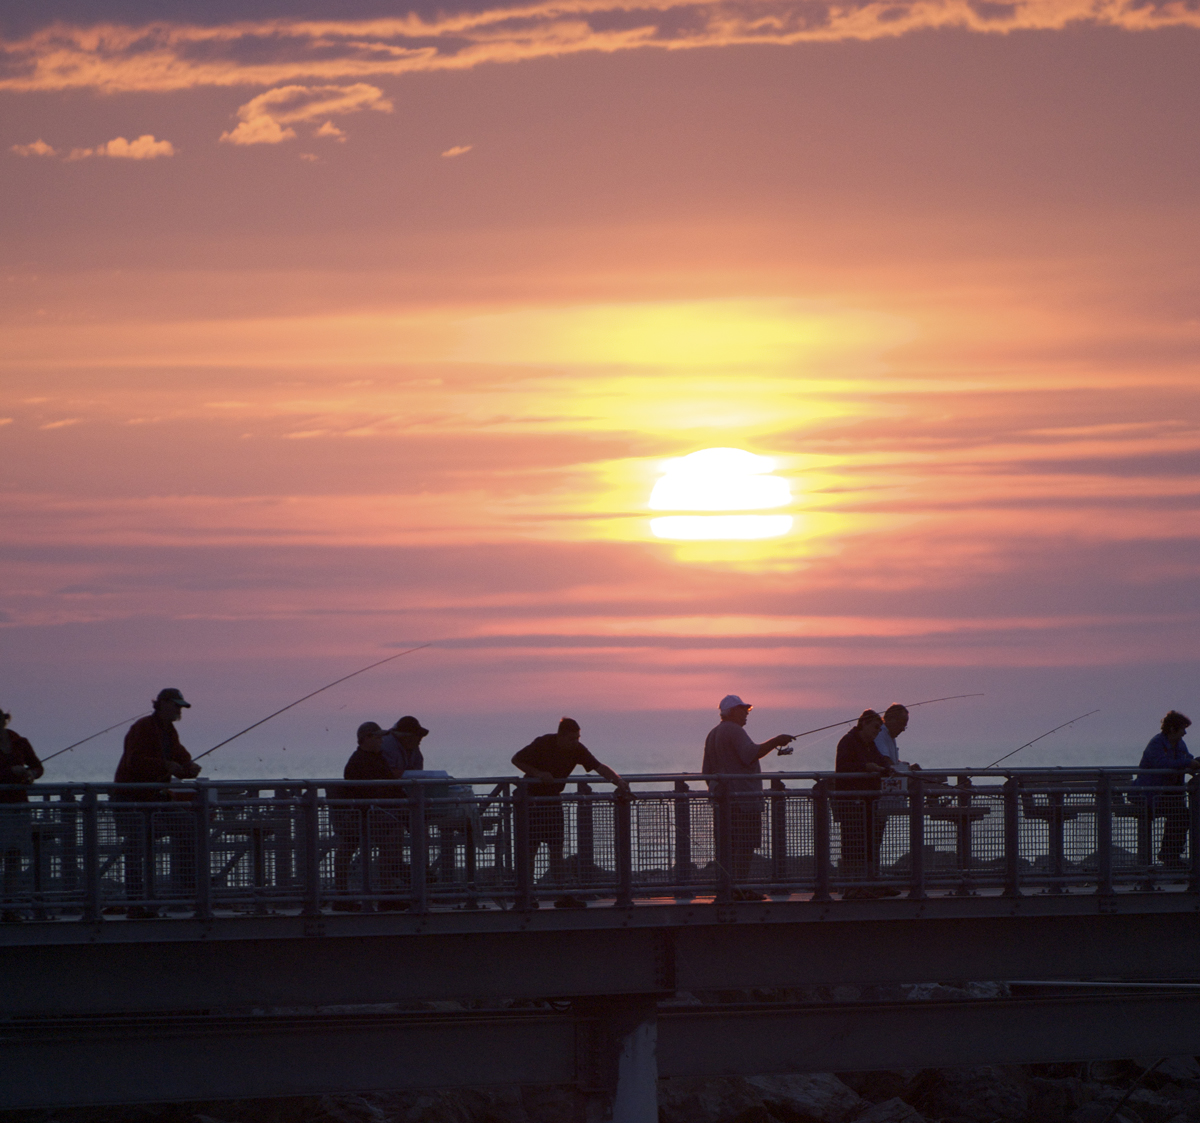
229	848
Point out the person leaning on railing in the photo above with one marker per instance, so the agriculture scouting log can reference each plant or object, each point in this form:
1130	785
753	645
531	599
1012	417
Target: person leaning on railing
729	751
1167	750
854	805
19	767
153	754
550	759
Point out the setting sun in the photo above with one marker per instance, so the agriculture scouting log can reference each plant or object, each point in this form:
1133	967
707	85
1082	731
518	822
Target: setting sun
720	479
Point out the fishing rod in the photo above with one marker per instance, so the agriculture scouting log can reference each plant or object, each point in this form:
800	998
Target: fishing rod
1046	734
361	670
60	752
909	706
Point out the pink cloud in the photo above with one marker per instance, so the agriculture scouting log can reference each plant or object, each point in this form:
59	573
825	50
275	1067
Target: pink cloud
268	118
144	147
38	148
168	56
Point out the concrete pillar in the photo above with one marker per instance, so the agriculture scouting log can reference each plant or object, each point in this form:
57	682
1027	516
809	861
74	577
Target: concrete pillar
635	1099
619	1073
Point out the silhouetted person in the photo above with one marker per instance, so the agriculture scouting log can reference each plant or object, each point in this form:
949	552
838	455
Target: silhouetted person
550	759
153	755
729	751
854	804
19	767
1167	750
401	746
368	826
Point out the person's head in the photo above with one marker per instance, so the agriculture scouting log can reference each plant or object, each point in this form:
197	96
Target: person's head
408	730
1174	724
869	724
169	705
5	718
568	731
370	737
734	709
895	717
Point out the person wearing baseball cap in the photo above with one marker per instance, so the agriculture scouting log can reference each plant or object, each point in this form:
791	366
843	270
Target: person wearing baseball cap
729	752
153	755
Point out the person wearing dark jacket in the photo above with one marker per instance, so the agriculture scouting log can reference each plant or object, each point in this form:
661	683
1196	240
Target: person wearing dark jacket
379	827
854	804
550	759
154	755
19	767
1162	792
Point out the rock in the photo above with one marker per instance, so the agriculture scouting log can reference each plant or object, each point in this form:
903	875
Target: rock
819	1096
894	1110
1142	1104
808	1098
686	1100
986	1093
885	1085
1096	1112
1172	1070
1056	1098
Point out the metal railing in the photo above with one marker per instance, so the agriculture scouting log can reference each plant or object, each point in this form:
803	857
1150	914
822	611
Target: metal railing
81	851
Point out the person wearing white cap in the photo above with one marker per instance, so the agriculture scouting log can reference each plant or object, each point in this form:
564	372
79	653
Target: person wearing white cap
728	751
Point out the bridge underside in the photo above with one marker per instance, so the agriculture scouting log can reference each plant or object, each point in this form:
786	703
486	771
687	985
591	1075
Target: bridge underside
142	1011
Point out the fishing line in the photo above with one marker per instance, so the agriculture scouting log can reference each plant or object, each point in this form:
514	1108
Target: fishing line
344	678
1046	734
60	752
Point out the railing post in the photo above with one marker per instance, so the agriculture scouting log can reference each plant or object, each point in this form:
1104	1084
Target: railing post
418	850
1193	787
724	842
91	854
821	840
623	821
312	851
522	857
70	845
1012	839
916	836
683	839
585	833
1104	806
203	804
778	800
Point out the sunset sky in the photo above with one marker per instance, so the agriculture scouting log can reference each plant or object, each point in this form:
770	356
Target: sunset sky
324	338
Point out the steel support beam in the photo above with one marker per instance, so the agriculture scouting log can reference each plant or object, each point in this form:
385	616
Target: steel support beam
49	1063
594	955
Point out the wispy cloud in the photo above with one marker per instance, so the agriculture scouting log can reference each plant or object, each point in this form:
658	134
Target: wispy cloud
144	147
268	118
38	148
168	56
457	150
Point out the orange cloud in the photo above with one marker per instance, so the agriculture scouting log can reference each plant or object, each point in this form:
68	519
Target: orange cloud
267	119
144	148
457	150
38	148
167	56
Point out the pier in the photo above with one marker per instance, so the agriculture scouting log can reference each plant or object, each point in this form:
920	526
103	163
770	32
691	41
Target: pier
232	974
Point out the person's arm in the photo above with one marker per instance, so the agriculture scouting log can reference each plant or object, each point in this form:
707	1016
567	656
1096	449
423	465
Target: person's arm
33	766
523	760
622	785
774	743
181	763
